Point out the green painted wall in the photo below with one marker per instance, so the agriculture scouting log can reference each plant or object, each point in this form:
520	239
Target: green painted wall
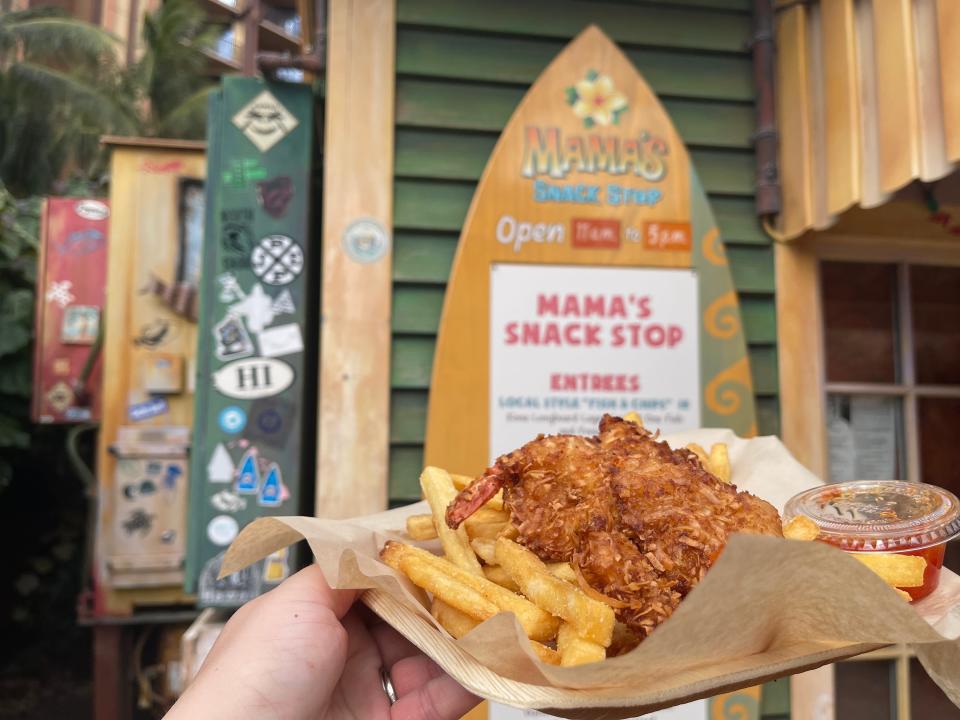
462	68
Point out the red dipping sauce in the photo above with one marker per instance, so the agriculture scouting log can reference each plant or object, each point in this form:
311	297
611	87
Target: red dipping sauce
885	516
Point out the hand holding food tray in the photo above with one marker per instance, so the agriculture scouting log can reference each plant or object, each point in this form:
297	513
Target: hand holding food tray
768	607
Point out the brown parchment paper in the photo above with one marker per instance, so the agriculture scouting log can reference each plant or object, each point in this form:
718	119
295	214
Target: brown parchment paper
769	607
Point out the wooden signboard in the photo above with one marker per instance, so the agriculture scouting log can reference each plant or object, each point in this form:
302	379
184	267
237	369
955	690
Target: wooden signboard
590	276
153	268
71	275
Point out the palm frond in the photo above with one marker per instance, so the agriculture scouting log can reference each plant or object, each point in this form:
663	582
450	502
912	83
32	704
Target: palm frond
188	119
63	41
59	88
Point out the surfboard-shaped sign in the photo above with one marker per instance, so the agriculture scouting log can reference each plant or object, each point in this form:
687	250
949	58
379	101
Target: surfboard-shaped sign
590	276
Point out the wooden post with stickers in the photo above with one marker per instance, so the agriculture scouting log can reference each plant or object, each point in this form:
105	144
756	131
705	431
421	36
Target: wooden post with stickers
253	366
156	204
590	278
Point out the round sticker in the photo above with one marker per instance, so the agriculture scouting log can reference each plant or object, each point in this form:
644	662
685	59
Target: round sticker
365	240
232	419
222	530
277	260
270	421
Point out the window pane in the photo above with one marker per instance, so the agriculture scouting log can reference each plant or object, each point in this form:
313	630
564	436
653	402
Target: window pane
859	317
935	304
927	701
864	690
865	436
940	453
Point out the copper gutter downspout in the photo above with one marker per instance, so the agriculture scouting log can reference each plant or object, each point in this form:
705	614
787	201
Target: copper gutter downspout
313	62
765	139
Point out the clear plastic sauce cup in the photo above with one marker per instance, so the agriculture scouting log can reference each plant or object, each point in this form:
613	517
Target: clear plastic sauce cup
887	516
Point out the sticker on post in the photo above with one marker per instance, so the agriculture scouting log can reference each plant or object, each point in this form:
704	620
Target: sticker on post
273	421
277	260
92	210
232	419
366	240
222	530
283	304
253	378
59	292
248	475
220	469
272	492
230	290
257	309
82	242
155	333
148	409
274	195
280	340
230	591
232	340
265	121
60	397
276	567
228	502
81	324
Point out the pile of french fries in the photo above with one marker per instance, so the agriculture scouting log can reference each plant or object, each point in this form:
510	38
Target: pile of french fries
898	571
483	572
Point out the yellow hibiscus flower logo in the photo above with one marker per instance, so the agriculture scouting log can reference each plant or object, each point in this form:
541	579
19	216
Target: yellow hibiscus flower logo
596	100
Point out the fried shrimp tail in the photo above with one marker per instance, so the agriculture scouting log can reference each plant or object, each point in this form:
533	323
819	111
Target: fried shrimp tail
473	496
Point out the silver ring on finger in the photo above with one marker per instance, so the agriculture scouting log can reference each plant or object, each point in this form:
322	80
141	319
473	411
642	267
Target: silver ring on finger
387	684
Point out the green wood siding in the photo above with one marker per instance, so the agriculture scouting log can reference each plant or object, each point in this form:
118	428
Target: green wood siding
462	68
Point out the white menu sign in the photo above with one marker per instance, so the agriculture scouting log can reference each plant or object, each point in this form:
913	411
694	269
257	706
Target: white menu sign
568	344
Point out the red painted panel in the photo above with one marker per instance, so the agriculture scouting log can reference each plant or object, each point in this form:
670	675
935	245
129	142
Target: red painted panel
71	287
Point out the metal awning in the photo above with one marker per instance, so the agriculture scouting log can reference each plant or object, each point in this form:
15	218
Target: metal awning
868	100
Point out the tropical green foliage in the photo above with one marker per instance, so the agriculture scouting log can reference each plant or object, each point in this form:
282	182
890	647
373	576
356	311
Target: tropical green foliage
62	87
19	222
59	89
168	82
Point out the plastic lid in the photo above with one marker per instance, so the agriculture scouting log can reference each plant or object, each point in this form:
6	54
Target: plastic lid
886	515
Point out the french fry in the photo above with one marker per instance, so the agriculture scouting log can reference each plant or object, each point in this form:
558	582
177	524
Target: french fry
488	515
439	491
574	650
701	454
563	571
546	654
495	573
420	527
461	481
899	571
536	622
485	530
453	621
634	418
485	550
801	528
458	625
903	594
482	524
720	462
424	573
592	619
